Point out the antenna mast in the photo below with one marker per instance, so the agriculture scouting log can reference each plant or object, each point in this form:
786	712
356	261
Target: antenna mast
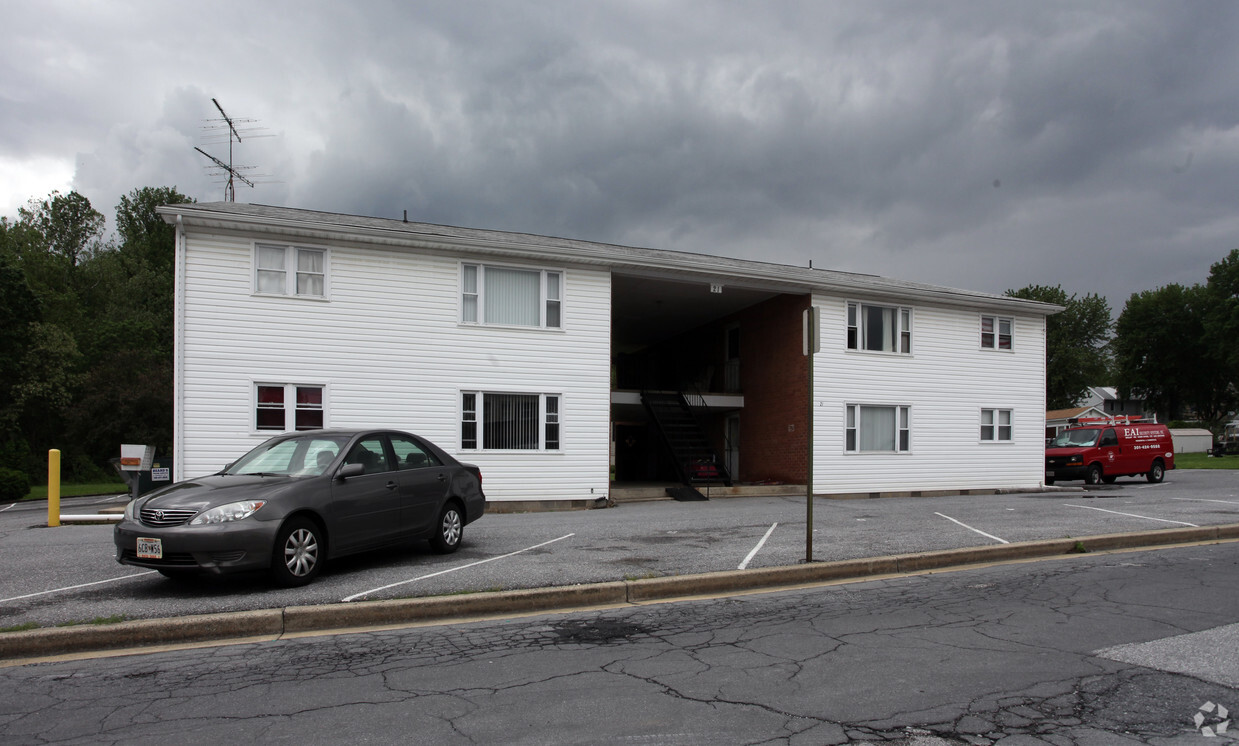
233	135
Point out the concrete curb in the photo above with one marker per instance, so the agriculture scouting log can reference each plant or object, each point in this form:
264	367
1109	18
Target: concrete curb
273	623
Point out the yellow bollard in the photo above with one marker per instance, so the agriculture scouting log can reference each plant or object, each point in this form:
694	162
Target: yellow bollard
53	487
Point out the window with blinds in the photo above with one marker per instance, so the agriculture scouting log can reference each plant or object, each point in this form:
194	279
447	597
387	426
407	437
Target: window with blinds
503	422
877	429
511	296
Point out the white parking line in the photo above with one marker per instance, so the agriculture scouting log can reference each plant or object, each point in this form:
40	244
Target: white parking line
356	596
970	528
1133	515
1206	500
75	587
757	548
6	507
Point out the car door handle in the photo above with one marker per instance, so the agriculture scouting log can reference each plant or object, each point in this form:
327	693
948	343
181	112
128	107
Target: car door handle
442	477
391	485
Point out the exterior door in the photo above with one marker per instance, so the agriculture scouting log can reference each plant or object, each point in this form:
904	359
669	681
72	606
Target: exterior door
731	456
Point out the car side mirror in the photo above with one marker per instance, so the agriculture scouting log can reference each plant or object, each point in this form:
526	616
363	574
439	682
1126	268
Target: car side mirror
351	470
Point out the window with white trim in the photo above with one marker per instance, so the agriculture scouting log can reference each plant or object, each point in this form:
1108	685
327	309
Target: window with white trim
879	328
290	270
996	332
505	422
279	405
996	425
878	429
511	296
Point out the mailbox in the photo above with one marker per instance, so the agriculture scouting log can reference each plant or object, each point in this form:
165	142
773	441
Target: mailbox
136	457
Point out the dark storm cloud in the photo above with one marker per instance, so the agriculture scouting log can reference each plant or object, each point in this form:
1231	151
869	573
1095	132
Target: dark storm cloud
983	145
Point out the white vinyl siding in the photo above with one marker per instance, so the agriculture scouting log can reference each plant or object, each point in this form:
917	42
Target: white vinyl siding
945	385
391	352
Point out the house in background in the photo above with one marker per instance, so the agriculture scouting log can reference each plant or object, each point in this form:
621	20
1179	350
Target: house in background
1058	420
563	368
1107	400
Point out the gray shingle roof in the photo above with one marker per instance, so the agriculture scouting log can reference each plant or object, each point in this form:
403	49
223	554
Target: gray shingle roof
624	259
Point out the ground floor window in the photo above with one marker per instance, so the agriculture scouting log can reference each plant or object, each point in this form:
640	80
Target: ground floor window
996	425
878	429
494	421
279	405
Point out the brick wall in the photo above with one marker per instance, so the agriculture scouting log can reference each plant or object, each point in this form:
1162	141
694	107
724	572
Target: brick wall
773	376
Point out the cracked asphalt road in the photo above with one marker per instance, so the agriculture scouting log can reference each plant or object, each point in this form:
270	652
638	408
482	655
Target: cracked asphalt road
1035	653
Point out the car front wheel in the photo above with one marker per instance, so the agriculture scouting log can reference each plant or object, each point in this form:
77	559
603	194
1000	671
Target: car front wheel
449	529
1093	475
1157	472
298	554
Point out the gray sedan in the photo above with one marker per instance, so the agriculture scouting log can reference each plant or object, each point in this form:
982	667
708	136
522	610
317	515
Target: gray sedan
301	498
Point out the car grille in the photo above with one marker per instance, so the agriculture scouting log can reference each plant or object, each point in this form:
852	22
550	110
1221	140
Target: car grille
153	517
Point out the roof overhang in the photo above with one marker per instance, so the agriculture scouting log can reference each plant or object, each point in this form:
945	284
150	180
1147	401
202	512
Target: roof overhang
308	225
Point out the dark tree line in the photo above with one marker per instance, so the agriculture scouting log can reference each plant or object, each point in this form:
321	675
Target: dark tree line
1176	347
85	331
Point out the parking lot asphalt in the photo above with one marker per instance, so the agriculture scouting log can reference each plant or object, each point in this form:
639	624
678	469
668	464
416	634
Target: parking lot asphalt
512	563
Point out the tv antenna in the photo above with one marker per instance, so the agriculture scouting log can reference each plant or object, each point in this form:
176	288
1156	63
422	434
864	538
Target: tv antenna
233	134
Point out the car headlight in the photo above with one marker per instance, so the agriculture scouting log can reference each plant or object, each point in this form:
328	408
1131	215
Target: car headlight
129	510
229	512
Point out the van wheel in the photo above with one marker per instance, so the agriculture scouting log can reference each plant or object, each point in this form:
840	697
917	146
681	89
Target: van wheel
1157	472
1093	475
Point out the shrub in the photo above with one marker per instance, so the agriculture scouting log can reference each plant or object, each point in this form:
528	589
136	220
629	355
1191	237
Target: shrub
14	485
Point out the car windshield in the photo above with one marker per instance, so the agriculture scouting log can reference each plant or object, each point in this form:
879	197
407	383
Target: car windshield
1075	438
297	456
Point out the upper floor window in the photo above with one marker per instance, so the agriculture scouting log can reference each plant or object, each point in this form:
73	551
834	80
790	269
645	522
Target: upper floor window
996	332
290	270
879	328
996	425
508	296
278	405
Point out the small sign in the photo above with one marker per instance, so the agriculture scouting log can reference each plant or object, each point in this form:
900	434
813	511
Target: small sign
161	475
716	287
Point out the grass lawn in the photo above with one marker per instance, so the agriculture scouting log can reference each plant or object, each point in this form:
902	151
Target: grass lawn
77	490
1205	461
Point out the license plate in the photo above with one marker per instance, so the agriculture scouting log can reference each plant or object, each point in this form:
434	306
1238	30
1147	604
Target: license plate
1049	472
150	548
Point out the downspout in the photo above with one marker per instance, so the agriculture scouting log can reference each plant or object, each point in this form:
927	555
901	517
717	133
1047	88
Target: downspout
178	354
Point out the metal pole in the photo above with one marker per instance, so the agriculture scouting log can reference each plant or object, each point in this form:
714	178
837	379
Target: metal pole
808	537
53	487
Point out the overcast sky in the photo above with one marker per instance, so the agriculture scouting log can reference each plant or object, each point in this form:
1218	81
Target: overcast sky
981	145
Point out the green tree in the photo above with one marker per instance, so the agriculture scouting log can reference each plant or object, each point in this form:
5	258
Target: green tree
1077	343
1163	354
126	394
68	223
1222	319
